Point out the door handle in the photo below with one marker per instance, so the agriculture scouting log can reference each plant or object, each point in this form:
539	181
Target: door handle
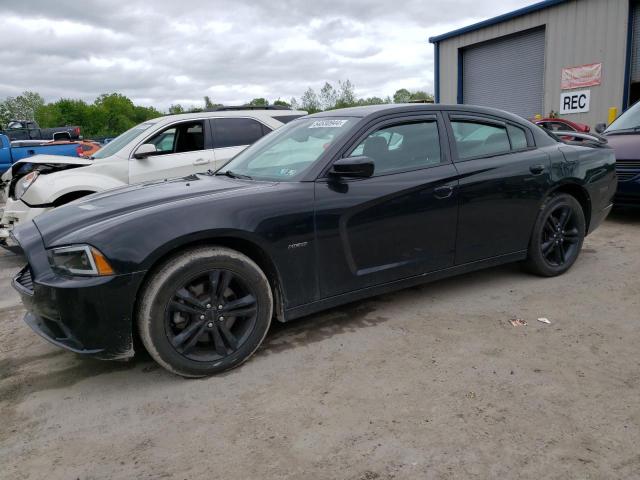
536	169
200	161
443	192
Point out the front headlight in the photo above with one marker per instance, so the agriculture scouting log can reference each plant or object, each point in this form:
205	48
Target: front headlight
79	260
23	184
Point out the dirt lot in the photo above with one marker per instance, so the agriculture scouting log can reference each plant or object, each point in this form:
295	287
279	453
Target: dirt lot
431	382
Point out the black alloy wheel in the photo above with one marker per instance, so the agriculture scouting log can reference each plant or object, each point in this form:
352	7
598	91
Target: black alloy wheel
560	236
204	311
557	236
210	316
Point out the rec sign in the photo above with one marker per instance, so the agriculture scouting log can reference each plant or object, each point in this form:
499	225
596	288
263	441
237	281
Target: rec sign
575	102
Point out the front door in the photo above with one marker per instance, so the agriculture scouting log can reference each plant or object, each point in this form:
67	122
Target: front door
400	222
503	177
181	149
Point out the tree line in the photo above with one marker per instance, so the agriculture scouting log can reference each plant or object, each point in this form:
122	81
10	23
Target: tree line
113	113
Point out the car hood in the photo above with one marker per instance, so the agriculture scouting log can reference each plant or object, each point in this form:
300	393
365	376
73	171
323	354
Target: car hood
626	146
53	162
138	199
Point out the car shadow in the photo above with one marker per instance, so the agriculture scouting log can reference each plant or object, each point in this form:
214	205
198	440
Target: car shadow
363	313
625	215
319	327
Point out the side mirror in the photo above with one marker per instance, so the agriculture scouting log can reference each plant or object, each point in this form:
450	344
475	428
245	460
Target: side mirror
601	127
145	150
353	167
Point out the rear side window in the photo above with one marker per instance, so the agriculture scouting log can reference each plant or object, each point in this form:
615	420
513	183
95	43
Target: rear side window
475	139
234	132
518	137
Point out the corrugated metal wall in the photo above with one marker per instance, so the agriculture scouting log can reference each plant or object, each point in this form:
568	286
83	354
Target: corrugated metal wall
506	73
577	33
635	51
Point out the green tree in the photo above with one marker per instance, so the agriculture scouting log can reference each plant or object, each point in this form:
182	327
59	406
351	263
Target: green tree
117	112
402	96
175	109
258	102
209	105
328	97
420	95
282	103
371	101
22	107
145	113
309	101
346	94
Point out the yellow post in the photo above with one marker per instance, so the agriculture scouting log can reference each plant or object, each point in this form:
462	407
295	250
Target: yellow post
613	114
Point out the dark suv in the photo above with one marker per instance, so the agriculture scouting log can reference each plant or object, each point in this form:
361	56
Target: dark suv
623	135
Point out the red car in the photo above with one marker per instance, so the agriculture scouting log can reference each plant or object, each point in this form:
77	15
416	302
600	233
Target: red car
557	125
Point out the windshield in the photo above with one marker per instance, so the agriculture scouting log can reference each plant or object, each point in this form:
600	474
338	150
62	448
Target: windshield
121	141
629	120
284	155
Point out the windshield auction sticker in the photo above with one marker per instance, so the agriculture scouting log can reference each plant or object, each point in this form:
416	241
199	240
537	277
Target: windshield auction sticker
328	123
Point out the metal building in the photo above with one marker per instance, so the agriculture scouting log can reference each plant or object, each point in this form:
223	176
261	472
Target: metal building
577	58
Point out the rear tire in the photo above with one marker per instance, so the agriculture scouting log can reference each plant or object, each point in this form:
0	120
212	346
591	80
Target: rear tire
557	236
205	311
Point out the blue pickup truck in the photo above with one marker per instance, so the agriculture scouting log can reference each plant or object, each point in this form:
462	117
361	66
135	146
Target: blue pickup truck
11	153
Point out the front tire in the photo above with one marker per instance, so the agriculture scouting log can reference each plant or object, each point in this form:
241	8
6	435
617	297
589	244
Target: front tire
557	236
205	311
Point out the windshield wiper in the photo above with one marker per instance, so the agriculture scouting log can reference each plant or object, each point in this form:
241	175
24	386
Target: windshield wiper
624	130
231	174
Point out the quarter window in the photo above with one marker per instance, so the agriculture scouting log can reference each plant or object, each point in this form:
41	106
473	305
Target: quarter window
402	147
235	132
518	138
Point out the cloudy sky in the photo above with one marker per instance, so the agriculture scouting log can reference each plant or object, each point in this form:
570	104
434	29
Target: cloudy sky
160	52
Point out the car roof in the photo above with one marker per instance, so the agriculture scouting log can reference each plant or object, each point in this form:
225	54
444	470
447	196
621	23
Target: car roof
255	113
386	109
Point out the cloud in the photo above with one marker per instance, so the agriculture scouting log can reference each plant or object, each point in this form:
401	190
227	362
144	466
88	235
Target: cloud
164	52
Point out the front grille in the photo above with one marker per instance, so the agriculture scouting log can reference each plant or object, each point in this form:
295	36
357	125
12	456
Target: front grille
24	278
627	169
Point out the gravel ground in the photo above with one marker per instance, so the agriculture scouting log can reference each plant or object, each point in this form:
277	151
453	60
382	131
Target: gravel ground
432	382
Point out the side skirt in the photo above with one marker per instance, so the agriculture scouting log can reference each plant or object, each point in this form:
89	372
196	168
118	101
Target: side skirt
326	303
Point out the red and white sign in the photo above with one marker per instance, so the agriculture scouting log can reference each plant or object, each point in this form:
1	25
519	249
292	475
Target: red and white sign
582	76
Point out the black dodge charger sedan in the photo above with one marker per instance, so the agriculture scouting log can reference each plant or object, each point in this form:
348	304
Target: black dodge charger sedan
331	208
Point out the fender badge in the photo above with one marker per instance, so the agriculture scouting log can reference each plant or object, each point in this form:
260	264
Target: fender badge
297	245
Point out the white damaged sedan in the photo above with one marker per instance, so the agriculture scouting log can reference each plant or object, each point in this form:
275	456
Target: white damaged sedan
164	147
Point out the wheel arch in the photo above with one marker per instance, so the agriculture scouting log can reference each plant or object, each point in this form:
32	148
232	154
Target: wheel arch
579	193
71	196
238	243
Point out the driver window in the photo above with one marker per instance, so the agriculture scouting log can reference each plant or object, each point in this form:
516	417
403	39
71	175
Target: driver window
185	137
402	147
164	141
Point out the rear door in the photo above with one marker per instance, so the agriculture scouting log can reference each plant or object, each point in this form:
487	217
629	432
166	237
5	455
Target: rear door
231	135
503	177
181	149
400	222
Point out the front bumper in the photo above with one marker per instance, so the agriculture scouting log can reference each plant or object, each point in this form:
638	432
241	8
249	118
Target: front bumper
628	193
16	212
87	315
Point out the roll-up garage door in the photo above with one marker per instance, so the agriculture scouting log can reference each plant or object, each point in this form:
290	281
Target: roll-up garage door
506	73
635	50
